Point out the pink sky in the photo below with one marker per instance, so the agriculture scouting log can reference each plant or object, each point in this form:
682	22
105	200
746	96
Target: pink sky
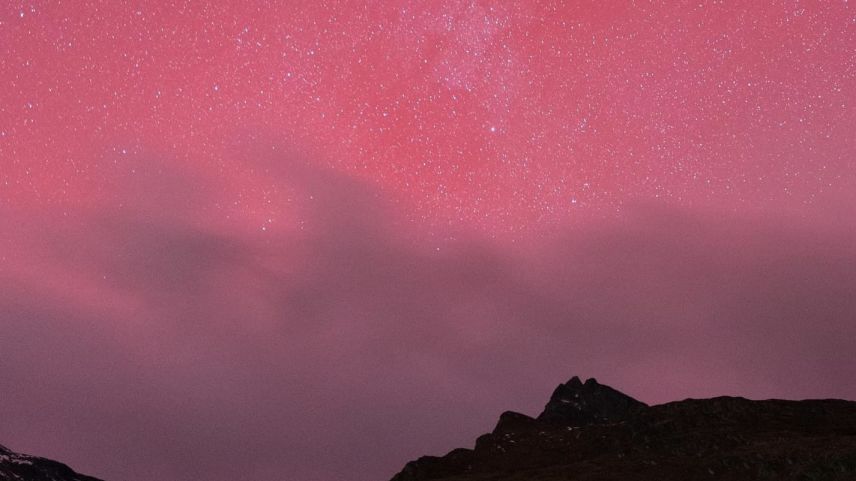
259	240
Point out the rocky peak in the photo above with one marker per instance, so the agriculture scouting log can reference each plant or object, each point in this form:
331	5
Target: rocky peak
511	421
575	403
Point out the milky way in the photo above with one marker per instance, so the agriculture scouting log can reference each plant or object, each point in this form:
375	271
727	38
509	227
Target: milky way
312	240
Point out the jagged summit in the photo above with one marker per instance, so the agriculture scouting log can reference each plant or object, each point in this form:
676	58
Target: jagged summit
590	431
575	403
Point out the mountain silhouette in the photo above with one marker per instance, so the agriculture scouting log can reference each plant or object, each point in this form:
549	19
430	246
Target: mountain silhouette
589	431
22	467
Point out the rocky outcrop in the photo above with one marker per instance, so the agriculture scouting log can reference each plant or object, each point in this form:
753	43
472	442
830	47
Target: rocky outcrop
21	467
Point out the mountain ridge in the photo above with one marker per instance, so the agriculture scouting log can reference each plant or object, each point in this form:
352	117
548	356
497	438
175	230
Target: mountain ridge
590	431
23	467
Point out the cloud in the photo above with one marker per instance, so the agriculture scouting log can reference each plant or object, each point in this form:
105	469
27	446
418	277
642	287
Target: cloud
145	340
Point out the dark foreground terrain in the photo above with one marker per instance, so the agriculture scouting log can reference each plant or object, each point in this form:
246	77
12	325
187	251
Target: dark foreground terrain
589	431
20	467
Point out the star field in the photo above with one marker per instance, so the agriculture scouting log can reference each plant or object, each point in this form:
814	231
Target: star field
504	115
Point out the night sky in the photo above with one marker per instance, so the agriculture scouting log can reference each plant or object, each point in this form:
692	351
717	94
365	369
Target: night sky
313	240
